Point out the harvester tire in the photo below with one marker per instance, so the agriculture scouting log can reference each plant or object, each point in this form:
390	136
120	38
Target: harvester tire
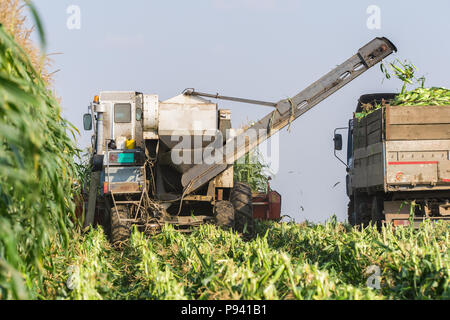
224	213
120	230
241	198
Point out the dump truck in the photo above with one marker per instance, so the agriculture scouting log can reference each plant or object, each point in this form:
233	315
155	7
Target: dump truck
398	162
171	162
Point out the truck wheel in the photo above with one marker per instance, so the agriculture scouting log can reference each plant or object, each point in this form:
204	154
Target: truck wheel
351	212
241	198
224	213
362	208
377	210
120	230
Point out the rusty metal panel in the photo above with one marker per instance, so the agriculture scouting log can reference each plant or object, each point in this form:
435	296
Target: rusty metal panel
421	162
266	206
124	179
444	171
392	156
150	112
422	155
225	179
198	198
444	209
138	127
124	187
412	173
150	117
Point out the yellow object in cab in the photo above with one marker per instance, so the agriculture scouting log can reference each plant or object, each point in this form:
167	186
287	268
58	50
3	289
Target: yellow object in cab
130	144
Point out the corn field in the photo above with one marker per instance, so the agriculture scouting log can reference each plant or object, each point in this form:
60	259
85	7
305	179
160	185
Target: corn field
44	254
284	261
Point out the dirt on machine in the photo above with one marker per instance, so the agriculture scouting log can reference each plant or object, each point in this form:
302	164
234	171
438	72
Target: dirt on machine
171	162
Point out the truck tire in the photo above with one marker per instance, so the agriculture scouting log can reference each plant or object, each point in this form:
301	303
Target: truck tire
351	212
241	198
362	208
224	214
120	230
377	210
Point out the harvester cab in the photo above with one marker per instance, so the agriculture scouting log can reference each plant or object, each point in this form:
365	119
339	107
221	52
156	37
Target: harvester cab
171	162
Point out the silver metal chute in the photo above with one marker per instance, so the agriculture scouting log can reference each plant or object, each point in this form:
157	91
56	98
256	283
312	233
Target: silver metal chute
289	110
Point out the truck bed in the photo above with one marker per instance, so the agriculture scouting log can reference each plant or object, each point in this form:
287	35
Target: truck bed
403	148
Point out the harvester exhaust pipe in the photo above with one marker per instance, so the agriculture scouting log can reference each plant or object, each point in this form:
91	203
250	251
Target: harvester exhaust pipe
100	110
95	176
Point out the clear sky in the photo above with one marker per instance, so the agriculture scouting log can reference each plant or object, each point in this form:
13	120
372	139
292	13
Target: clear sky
265	50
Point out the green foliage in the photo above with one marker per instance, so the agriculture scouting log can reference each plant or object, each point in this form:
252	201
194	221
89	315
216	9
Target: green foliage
423	97
404	71
367	109
36	172
252	169
419	96
284	261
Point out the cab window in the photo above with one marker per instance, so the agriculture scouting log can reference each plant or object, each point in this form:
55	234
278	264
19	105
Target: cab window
122	113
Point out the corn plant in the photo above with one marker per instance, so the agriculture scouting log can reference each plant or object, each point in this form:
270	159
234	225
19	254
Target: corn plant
420	96
36	171
252	170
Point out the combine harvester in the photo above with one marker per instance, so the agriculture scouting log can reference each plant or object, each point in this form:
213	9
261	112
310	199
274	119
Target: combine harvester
171	162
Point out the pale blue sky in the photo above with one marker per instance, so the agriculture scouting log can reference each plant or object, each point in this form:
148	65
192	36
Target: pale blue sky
266	50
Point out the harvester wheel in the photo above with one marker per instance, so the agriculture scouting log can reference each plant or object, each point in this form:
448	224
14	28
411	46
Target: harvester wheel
224	213
241	198
120	230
